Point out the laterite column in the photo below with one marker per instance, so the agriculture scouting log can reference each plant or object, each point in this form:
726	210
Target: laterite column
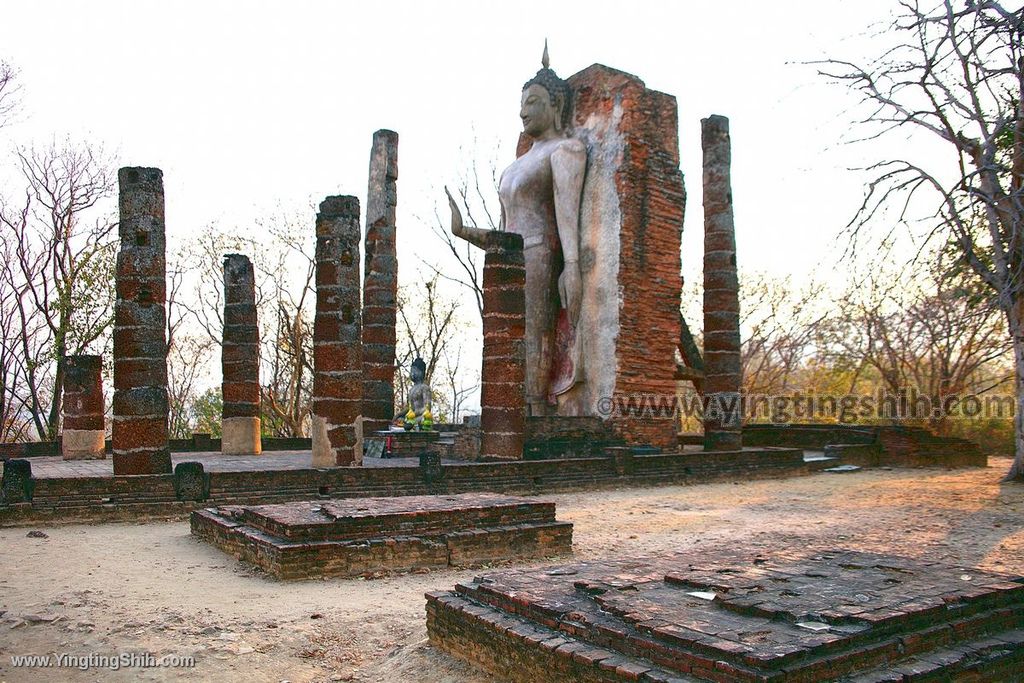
337	357
723	373
503	371
139	429
380	284
82	433
240	360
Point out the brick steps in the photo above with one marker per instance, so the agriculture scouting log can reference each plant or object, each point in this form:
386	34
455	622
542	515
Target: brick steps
359	536
524	651
996	659
842	614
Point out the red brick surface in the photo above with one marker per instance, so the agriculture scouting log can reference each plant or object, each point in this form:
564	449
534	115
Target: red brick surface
139	429
83	393
651	201
337	351
503	369
380	282
774	617
372	535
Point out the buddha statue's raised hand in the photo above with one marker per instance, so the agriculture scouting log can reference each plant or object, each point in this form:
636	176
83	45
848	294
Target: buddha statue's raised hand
467	232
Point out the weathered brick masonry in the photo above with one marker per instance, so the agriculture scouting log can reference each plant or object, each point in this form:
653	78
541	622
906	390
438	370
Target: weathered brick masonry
79	499
371	535
503	370
240	359
337	357
82	432
723	374
139	429
380	284
735	615
632	224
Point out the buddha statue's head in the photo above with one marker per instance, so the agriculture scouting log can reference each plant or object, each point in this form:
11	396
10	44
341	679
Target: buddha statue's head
546	103
418	371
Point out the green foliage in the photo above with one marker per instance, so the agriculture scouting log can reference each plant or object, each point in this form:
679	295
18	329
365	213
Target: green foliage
993	435
206	412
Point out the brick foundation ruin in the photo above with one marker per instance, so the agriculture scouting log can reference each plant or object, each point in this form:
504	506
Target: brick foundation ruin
364	536
337	357
240	360
139	428
83	430
380	284
503	370
737	616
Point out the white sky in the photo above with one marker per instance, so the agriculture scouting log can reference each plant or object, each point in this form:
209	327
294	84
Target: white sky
248	107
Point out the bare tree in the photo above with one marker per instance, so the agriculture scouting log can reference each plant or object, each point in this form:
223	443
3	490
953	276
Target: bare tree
458	387
956	74
285	268
288	294
428	327
940	336
188	356
477	190
14	398
59	252
9	88
781	327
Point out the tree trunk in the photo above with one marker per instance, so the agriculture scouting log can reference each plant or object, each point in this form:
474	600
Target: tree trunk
53	420
1016	323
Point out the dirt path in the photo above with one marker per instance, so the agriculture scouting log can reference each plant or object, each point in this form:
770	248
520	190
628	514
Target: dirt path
152	588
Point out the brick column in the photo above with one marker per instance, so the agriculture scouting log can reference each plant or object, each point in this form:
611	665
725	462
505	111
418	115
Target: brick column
337	357
240	360
139	429
723	374
503	372
380	284
82	434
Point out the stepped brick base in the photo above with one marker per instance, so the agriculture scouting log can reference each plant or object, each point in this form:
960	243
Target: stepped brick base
737	616
363	536
410	444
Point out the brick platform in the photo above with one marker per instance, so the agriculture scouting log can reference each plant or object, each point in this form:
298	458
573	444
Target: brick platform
86	490
369	535
737	616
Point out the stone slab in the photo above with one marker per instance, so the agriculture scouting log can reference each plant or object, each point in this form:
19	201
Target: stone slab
83	444
362	536
736	616
241	436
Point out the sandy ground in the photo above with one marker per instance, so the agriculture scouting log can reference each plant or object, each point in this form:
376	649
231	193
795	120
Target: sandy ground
152	588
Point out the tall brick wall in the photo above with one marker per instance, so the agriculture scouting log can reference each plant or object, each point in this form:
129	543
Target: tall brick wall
722	368
631	222
337	356
380	283
139	429
503	371
82	433
240	360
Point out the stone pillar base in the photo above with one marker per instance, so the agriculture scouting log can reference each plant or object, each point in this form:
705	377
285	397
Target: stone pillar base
240	436
83	444
326	455
323	453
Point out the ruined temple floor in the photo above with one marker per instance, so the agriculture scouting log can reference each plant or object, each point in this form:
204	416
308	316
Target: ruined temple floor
153	588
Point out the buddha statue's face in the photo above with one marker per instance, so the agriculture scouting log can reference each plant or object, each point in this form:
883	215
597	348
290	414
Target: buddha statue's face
537	112
416	374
